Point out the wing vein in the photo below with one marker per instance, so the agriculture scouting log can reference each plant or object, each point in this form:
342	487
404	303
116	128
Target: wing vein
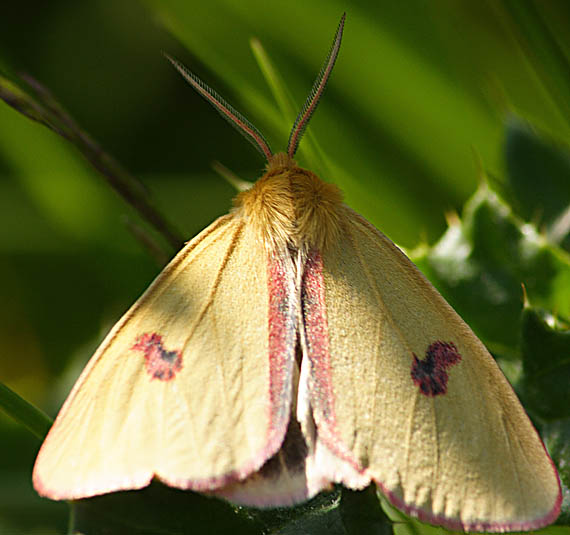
214	325
513	465
435	431
377	294
353	381
409	434
215	285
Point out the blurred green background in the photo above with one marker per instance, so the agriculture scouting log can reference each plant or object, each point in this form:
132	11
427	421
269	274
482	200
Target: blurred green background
418	102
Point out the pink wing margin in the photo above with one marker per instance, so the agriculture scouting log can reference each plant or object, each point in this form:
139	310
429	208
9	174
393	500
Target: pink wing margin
317	339
282	338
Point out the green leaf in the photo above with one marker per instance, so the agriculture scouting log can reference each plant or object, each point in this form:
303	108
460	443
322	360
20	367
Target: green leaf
361	512
481	263
538	171
158	509
545	383
320	516
24	412
406	525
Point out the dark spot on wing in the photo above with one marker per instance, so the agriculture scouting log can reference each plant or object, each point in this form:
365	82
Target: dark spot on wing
160	363
430	374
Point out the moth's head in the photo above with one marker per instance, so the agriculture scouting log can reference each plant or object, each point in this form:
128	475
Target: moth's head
292	208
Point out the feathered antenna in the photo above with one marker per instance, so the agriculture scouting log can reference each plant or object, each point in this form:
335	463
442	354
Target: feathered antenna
226	110
316	92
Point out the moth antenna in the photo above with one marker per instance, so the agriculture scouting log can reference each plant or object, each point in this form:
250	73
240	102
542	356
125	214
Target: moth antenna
226	110
316	91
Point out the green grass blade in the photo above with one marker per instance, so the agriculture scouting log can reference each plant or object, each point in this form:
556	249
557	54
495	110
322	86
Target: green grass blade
37	421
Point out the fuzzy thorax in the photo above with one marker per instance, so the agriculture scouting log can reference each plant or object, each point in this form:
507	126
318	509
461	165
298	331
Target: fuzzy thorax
291	207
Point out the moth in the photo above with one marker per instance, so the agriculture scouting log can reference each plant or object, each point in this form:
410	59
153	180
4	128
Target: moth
290	346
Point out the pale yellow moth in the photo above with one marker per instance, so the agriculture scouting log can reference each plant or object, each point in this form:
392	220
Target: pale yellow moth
290	346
